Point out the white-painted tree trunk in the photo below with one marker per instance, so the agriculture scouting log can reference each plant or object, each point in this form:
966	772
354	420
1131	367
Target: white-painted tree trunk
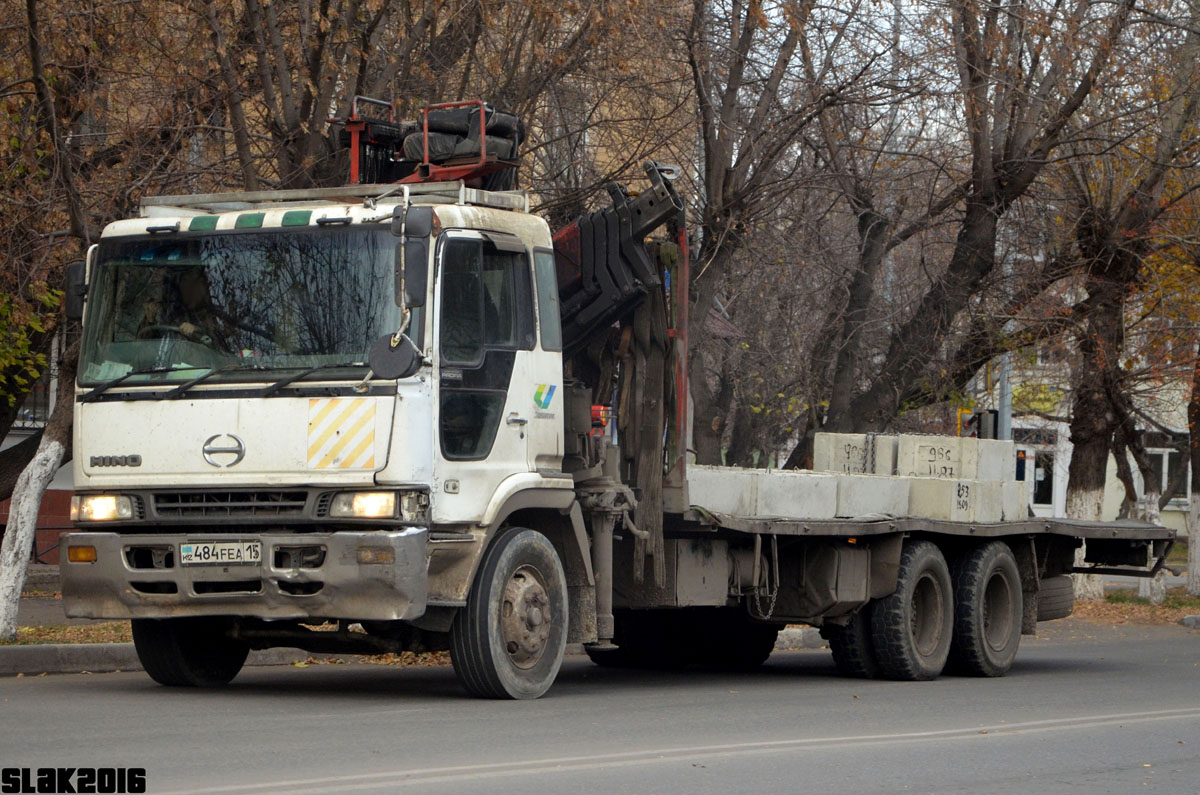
1083	504
1153	588
1193	564
22	526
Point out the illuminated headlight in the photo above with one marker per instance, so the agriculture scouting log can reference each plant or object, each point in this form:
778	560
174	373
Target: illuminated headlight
364	505
100	508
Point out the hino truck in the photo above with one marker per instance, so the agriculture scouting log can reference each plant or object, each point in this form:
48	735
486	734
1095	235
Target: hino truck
405	414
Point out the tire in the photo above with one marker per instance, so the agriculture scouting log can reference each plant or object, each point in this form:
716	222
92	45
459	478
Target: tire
508	642
1056	598
987	610
188	652
853	650
911	629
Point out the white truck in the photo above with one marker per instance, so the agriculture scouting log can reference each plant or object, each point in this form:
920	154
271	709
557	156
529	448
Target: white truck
366	419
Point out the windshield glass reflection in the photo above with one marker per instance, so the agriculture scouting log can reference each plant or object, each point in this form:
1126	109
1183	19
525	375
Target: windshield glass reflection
238	301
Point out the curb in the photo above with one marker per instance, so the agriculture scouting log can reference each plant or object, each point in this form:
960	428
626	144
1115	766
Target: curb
98	658
790	639
71	658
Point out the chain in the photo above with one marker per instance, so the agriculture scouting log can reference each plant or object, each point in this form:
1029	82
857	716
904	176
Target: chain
774	596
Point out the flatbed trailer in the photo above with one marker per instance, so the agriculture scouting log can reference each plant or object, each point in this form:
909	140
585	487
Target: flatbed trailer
364	419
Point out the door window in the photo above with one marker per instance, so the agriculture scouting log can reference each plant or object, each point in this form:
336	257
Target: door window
486	316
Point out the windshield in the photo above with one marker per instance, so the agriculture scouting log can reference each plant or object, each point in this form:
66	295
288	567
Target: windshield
238	301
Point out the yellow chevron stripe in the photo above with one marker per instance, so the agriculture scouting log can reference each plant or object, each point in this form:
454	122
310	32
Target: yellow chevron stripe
357	453
345	440
315	422
351	407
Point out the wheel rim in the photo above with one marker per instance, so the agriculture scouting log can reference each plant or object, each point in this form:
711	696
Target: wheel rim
997	611
927	609
525	617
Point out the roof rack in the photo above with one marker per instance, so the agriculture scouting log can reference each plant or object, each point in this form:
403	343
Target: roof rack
447	192
469	140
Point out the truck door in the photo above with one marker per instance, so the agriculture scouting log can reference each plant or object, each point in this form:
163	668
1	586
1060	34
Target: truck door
484	340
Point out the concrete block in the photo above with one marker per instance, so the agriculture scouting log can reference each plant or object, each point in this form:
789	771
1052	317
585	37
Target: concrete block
937	457
723	489
796	495
997	459
861	453
860	495
956	500
1014	499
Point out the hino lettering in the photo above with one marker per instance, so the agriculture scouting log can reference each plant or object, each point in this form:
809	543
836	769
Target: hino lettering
408	411
115	461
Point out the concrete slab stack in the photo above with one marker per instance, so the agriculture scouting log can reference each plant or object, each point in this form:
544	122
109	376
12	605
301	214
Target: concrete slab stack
858	475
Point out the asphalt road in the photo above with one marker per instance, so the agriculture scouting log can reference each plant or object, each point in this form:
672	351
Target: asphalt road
1087	709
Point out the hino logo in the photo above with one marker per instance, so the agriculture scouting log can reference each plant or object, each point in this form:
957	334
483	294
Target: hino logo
210	449
116	461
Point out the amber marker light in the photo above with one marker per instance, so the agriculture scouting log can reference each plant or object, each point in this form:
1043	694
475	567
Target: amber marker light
81	554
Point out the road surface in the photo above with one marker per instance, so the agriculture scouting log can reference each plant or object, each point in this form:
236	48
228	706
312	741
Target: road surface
1087	709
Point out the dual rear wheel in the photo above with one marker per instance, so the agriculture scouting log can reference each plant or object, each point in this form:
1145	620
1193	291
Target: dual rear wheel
967	616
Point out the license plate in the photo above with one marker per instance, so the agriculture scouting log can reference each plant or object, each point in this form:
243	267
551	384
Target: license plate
220	553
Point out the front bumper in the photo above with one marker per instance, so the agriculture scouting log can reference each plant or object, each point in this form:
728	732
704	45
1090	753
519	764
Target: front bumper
339	587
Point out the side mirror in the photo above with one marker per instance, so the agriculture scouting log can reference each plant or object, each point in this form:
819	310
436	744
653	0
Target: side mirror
412	220
390	361
76	290
412	253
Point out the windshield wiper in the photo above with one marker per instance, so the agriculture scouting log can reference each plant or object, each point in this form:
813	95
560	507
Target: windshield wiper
91	396
288	380
179	391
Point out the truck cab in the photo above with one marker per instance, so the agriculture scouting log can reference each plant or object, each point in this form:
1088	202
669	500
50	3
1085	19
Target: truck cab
237	455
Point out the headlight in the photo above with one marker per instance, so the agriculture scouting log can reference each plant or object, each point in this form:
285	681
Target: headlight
364	505
100	508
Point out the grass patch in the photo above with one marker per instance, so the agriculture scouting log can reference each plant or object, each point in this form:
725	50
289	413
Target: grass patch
1177	599
104	632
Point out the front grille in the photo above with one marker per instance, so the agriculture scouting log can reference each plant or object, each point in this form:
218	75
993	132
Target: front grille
233	504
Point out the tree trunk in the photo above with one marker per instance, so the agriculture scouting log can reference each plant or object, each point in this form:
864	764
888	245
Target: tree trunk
13	462
17	545
1193	414
1093	417
1193	564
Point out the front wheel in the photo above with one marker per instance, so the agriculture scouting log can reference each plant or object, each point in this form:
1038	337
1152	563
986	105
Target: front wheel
911	629
188	652
508	642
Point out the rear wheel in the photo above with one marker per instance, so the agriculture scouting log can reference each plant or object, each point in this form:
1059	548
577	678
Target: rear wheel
508	642
188	652
911	629
987	610
853	651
